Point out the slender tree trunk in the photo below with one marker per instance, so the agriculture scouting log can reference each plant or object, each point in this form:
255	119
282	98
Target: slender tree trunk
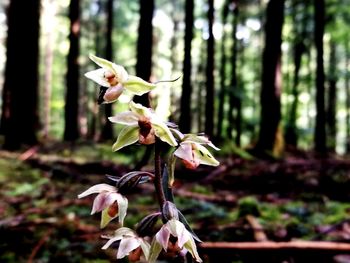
271	77
240	94
71	131
223	86
332	98
144	46
209	104
49	14
320	127
347	88
20	117
107	129
186	116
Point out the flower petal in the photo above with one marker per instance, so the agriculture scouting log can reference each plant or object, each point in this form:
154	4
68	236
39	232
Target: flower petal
104	200
121	74
204	156
145	246
199	139
140	110
137	85
123	207
162	131
127	136
106	218
113	93
98	76
127	245
190	245
184	151
98	188
154	251
126	118
103	63
163	236
111	241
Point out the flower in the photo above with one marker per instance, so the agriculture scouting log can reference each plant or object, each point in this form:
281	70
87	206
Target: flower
143	125
109	201
193	153
162	240
115	78
130	245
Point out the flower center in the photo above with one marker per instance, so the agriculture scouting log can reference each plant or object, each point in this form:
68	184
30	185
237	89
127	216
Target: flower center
111	77
113	209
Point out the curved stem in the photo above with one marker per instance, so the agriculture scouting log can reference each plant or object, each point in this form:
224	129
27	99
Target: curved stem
158	174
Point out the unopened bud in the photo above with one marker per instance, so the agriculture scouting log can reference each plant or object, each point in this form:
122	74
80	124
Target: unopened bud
146	226
169	211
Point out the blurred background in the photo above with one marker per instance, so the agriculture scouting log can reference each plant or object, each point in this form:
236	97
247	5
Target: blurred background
267	81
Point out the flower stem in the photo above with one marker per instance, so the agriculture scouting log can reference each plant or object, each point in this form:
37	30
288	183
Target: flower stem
158	174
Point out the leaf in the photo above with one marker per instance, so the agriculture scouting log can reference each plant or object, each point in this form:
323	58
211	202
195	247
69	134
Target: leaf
129	135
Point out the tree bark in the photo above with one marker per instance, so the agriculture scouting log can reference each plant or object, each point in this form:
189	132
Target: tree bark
209	103
347	88
71	130
320	127
144	46
20	119
271	77
223	86
107	128
332	98
186	116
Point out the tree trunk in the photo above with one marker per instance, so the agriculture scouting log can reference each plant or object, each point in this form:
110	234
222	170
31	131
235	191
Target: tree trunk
107	128
20	115
223	86
71	129
209	103
347	88
186	116
271	78
332	98
320	127
144	46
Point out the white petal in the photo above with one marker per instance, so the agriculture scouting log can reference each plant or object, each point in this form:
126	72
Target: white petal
122	208
126	118
98	188
104	200
184	152
121	74
111	241
127	245
98	76
145	246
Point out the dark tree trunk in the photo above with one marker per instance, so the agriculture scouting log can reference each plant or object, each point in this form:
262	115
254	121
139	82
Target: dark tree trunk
186	116
332	98
209	103
107	129
320	127
233	94
144	46
271	77
20	117
71	129
223	86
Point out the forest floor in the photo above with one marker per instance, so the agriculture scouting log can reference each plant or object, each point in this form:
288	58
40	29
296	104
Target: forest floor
299	197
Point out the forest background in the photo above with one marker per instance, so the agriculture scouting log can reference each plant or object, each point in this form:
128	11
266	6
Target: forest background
267	81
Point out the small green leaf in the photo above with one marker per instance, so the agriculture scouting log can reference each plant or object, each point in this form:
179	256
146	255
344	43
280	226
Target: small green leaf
129	135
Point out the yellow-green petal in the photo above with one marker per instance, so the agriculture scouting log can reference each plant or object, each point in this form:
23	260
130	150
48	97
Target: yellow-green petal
154	251
106	218
204	156
103	63
162	132
127	136
137	85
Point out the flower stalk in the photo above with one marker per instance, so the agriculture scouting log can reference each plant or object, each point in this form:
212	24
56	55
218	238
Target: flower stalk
158	174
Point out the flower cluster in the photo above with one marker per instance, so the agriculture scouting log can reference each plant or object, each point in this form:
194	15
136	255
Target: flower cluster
143	126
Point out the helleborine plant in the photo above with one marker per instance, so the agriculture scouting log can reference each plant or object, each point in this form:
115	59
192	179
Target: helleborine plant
142	125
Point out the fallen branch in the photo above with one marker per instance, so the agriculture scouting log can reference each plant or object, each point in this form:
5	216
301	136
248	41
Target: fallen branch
269	245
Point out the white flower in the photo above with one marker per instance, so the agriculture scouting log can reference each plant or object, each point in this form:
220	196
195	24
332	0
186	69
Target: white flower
115	78
109	201
142	125
184	240
130	245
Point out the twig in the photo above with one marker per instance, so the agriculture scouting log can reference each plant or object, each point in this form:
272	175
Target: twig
41	242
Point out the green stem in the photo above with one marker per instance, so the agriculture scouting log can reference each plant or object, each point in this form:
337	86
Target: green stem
158	174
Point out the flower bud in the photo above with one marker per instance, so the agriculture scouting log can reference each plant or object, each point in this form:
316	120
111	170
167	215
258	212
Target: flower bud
146	225
169	211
